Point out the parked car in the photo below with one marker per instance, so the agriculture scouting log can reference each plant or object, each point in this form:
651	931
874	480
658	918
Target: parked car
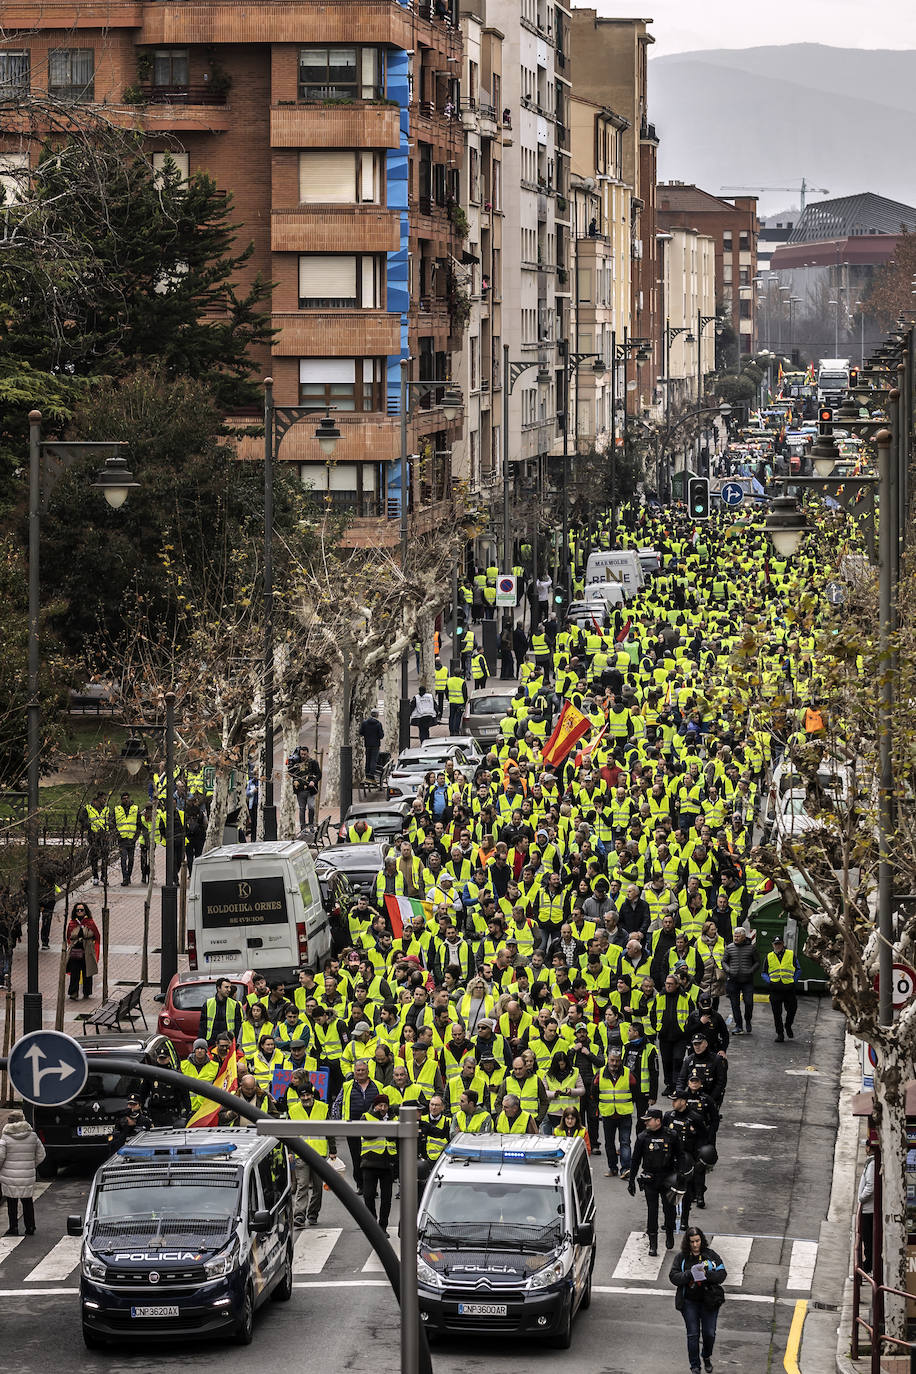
185	995
358	863
466	743
587	614
385	817
405	777
88	1128
483	712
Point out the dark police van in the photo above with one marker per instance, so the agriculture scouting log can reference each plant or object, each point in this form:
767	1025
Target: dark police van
186	1233
506	1237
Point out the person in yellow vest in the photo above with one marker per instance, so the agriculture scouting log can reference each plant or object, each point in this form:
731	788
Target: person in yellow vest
378	1163
199	1065
360	832
780	973
570	1124
307	1106
440	682
511	1120
616	1090
470	1116
96	815
127	823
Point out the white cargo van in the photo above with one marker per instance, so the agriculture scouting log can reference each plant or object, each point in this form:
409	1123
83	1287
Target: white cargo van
611	594
616	565
259	907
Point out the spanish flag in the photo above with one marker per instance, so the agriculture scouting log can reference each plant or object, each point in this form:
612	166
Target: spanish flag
567	732
207	1113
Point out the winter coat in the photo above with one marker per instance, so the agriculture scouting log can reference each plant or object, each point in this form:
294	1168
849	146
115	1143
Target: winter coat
20	1154
83	944
685	1287
740	962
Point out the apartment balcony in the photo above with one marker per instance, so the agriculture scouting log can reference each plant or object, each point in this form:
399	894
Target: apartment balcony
69	15
367	438
384	533
163	23
314	125
335	333
184	109
335	229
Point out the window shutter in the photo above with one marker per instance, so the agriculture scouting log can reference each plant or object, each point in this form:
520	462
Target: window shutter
323	276
327	177
324	370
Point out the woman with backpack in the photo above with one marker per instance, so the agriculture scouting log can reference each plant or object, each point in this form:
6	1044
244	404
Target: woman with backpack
698	1275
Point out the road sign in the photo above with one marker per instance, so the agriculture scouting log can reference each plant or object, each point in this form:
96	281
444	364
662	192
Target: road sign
732	494
903	986
506	594
835	593
48	1068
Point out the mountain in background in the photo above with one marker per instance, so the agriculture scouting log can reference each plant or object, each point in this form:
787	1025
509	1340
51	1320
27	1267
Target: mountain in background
840	117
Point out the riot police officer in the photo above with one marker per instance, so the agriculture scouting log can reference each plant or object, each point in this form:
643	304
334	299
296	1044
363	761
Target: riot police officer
690	1131
657	1162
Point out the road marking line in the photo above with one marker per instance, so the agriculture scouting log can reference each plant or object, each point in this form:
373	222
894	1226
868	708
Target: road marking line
59	1262
735	1252
38	1292
313	1249
801	1265
8	1245
341	1283
667	1293
41	1188
635	1261
373	1264
793	1345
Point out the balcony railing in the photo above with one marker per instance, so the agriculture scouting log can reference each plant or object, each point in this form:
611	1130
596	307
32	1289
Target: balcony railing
183	95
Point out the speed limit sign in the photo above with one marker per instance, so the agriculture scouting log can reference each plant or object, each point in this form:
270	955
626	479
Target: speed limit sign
903	986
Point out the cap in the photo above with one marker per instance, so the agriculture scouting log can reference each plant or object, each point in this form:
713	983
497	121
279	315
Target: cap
361	1026
484	1022
778	940
200	1044
699	1038
543	835
299	1044
488	1059
704	999
446	878
654	1111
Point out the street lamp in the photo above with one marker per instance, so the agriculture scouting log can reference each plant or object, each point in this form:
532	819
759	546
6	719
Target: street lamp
134	755
117	482
572	361
327	435
786	526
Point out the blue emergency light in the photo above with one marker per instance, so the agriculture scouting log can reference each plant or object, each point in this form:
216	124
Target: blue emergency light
495	1154
176	1151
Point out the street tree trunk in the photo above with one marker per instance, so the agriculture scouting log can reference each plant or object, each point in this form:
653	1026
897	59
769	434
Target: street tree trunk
426	622
288	808
891	1075
391	689
219	806
331	770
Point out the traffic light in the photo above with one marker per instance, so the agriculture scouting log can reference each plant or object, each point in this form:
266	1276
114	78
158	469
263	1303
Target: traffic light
698	498
560	599
853	378
825	421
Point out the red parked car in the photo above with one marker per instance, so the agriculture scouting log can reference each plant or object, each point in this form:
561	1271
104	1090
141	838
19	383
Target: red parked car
179	1018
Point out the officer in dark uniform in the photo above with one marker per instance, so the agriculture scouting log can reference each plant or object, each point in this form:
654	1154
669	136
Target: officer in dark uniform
711	1068
705	1020
703	1106
657	1162
691	1133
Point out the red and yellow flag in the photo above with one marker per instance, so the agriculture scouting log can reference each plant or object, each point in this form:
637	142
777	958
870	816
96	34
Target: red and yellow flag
207	1113
567	732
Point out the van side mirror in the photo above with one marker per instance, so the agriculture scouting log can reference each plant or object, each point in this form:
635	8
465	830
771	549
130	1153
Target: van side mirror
585	1234
259	1223
75	1225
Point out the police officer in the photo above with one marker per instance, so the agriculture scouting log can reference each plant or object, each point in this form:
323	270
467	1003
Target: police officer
711	1068
691	1133
657	1162
705	1020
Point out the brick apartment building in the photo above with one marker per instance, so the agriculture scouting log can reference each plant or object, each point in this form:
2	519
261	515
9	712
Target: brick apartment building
732	224
337	128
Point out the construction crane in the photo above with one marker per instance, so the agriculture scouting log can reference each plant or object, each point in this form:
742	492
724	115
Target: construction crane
802	190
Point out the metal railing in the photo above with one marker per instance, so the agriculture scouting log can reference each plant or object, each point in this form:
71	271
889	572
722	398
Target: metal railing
879	1291
183	95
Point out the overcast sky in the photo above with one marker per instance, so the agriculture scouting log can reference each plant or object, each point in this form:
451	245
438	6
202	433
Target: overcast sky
684	25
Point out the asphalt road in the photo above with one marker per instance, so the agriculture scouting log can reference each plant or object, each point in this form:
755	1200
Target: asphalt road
766	1200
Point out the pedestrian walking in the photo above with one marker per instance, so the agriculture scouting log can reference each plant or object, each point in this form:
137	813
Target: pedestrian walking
656	1165
127	824
378	1160
780	973
21	1152
423	712
741	962
95	815
372	732
505	653
144	836
698	1275
84	944
306	1106
866	1200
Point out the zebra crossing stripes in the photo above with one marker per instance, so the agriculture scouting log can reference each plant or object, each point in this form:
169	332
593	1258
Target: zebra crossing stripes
58	1262
314	1247
373	1264
801	1266
635	1262
734	1251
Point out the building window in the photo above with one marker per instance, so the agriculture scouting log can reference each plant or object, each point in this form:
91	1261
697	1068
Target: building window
744	243
351	487
14	176
744	309
71	73
341	74
341	281
15	73
180	162
727	241
340	177
342	383
170	69
475	362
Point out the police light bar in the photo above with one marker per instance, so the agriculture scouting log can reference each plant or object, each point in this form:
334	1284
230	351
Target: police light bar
176	1151
494	1154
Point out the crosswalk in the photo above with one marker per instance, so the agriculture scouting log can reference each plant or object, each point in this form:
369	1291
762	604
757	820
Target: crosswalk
339	1254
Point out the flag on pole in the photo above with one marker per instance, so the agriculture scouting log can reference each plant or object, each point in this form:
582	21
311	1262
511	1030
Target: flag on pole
567	732
400	910
207	1114
589	748
621	636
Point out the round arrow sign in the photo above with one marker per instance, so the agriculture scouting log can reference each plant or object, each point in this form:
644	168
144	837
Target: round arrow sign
48	1068
732	494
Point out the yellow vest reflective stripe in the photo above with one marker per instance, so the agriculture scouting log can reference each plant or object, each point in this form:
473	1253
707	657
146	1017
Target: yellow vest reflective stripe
126	820
455	687
564	1087
520	1126
614	1098
348	1093
317	1112
356	838
440	679
331	1041
98	817
379	1149
479	1121
539	645
527	1093
550	911
781	970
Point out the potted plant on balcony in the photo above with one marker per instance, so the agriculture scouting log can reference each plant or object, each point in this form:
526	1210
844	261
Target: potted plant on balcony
459	221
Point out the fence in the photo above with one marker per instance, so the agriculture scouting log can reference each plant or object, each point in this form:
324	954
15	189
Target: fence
901	1359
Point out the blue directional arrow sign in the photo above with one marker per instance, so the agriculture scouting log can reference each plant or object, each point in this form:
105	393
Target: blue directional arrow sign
48	1068
732	494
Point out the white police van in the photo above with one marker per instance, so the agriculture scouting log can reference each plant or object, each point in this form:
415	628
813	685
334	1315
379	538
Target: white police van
186	1233
506	1237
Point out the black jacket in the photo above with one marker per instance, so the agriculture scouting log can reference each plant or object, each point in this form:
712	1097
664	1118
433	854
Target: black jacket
712	1070
657	1153
680	1274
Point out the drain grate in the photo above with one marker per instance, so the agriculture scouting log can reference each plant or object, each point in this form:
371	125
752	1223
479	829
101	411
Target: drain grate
825	1306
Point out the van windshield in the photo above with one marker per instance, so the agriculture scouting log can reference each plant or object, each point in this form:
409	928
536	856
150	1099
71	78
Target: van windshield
162	1200
486	1204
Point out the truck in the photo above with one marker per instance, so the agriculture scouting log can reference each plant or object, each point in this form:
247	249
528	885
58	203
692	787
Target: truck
832	380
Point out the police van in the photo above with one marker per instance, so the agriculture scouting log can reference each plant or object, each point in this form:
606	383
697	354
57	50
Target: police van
257	906
506	1237
186	1233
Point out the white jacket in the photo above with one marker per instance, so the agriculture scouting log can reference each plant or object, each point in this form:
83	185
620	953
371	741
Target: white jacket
20	1154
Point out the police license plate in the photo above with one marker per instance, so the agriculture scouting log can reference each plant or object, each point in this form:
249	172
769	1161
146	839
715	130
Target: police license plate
482	1309
154	1311
93	1130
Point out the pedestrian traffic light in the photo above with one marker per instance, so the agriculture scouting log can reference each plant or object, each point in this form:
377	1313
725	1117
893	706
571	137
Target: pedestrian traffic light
853	378
560	599
698	498
825	421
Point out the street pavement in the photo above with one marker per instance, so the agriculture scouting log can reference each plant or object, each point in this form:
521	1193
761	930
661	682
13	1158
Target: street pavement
767	1199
